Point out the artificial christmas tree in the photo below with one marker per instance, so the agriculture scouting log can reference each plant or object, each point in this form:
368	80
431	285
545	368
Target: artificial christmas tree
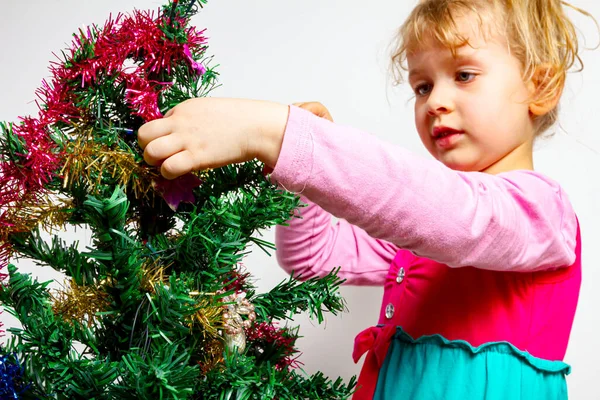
157	306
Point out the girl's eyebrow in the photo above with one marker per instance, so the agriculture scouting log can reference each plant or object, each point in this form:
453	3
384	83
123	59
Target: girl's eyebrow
414	73
469	59
467	53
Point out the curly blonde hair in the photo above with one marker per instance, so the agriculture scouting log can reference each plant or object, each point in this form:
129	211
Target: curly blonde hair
539	34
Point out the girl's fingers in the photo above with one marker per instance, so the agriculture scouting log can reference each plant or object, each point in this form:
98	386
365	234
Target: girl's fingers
177	165
316	108
153	130
162	148
169	113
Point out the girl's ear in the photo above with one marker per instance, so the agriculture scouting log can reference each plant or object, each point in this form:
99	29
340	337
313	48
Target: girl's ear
543	77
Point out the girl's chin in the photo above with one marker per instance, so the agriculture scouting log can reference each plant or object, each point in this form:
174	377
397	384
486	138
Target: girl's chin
458	164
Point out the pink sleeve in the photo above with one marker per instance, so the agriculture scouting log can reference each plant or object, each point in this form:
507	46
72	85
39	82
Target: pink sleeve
313	246
514	221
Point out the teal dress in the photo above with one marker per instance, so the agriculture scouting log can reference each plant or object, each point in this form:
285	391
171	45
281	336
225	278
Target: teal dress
454	370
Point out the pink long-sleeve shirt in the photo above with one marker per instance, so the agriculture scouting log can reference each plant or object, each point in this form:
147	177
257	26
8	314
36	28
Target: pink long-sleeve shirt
467	255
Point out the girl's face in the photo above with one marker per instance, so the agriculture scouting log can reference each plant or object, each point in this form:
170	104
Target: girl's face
471	109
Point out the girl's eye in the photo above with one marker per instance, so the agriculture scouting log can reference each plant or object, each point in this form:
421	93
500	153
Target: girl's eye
423	89
464	76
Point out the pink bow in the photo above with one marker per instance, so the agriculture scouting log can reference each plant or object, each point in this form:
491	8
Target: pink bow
374	340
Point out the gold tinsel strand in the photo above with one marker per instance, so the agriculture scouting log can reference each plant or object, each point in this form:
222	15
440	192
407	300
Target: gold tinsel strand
153	273
50	212
209	314
91	162
208	317
211	356
80	303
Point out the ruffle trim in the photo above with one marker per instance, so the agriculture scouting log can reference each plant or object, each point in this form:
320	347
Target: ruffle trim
499	347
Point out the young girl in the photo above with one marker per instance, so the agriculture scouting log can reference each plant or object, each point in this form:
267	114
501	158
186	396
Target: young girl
478	253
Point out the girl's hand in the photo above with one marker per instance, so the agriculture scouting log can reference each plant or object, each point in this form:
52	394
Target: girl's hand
206	133
316	108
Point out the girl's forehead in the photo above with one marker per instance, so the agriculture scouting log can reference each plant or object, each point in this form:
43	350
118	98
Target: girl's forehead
465	29
466	41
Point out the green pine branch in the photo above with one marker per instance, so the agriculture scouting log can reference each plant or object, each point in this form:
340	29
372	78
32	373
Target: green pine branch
12	146
57	255
315	295
244	379
45	343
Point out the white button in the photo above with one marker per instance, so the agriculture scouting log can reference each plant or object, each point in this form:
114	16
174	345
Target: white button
389	311
401	274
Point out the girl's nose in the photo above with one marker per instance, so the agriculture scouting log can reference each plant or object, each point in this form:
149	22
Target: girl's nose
440	101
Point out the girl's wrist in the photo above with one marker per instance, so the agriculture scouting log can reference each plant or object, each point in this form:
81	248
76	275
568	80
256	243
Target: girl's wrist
269	138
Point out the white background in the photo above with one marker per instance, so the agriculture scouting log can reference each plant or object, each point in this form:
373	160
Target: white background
335	52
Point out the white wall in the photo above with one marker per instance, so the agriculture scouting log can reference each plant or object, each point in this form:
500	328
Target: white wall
334	52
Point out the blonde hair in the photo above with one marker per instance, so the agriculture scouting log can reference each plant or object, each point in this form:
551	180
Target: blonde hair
539	34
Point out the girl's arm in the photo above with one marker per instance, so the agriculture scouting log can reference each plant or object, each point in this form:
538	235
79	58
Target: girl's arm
514	221
313	246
